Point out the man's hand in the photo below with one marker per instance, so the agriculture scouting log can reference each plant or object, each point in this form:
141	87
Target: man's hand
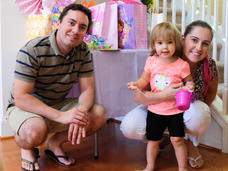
75	115
75	133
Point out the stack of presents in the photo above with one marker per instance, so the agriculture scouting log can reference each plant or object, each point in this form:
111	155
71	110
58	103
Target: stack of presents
118	24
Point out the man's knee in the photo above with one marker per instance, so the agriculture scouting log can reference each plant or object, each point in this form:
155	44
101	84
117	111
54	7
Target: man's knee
97	119
99	112
33	131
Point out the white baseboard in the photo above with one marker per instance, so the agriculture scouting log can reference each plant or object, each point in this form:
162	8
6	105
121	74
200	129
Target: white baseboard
213	136
217	134
5	130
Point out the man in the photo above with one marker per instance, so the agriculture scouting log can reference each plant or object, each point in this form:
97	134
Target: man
46	69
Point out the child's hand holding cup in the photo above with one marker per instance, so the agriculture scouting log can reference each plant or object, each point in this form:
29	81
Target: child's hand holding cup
183	99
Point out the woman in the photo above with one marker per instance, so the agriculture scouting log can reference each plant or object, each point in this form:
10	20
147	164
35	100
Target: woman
196	42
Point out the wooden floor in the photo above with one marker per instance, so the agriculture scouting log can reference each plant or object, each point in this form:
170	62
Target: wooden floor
116	153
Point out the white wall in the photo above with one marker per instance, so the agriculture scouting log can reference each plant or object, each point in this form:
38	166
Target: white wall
1	99
12	34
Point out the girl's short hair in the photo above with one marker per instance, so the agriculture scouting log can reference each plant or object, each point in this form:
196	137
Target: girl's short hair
166	31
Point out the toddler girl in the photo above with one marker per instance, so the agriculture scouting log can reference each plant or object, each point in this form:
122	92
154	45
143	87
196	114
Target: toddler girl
164	69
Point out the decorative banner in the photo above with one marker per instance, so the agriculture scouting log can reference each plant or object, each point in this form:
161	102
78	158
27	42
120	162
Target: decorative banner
136	2
29	7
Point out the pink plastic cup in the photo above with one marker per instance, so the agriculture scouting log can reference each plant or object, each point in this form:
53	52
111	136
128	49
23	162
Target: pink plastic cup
183	99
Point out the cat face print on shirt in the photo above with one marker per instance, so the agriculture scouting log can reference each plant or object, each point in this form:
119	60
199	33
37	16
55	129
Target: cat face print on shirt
161	81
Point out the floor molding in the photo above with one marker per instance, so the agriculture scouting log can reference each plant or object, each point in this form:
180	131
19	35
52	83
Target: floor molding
222	120
6	138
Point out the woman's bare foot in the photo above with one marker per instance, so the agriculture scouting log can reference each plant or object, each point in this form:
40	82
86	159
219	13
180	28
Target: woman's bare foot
195	159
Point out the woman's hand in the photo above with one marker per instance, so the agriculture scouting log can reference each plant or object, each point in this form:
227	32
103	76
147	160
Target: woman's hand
169	92
141	97
190	86
148	97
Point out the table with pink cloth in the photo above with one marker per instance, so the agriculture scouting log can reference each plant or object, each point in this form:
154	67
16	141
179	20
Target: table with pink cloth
113	69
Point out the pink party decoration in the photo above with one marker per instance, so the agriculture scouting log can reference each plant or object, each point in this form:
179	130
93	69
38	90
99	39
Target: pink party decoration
136	2
50	3
29	7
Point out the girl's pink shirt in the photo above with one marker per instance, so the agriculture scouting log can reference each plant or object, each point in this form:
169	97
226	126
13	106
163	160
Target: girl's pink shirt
163	75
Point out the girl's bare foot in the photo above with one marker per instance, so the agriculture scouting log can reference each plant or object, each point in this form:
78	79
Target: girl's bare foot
149	168
182	169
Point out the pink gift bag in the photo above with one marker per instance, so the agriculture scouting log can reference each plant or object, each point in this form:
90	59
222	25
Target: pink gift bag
105	18
134	17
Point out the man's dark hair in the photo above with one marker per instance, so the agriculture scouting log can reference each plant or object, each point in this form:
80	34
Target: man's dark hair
76	7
